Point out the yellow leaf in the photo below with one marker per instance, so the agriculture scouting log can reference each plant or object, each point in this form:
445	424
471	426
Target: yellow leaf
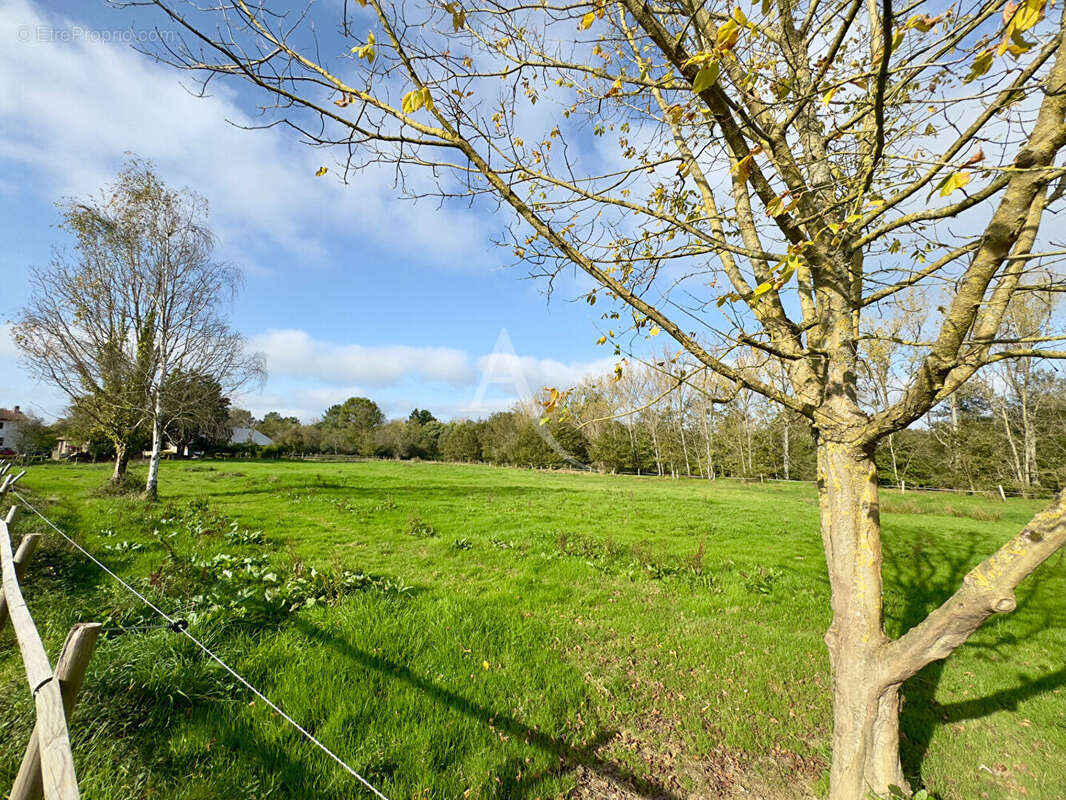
699	58
742	168
776	207
955	181
586	21
321	171
706	77
728	35
654	330
981	64
458	19
923	22
738	15
484	664
602	340
1027	15
762	289
416	99
829	95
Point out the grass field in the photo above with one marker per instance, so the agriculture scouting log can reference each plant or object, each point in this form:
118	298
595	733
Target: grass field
512	634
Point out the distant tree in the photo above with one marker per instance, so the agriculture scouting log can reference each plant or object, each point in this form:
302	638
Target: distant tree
197	413
275	425
35	437
349	426
241	418
421	416
460	442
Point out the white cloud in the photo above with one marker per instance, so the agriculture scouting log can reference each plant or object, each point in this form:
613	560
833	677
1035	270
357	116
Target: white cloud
294	353
307	375
71	109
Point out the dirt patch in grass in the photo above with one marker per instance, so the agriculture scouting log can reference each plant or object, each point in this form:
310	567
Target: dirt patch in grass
724	774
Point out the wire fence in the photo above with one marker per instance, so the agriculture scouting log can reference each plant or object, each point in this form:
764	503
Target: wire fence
180	626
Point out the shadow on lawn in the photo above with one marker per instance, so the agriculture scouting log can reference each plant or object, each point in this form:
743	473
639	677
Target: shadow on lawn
568	756
927	576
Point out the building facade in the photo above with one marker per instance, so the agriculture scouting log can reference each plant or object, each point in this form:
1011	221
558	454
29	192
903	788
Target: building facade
11	422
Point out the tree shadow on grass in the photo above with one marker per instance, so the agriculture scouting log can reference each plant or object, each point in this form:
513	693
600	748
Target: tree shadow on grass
927	576
566	756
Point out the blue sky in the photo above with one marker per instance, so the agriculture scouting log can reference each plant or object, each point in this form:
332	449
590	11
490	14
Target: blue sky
347	289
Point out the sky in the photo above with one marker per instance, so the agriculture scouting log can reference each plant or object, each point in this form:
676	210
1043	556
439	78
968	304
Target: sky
347	290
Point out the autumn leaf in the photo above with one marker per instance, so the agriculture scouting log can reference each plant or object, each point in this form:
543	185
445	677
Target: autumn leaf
976	158
654	331
777	206
923	22
761	289
706	77
416	99
367	50
981	64
955	180
1028	14
586	21
321	171
728	35
828	96
742	168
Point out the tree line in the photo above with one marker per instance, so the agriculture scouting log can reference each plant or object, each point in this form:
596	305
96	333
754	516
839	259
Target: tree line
1006	428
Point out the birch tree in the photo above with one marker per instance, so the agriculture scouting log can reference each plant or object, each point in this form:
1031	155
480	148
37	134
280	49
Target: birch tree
763	178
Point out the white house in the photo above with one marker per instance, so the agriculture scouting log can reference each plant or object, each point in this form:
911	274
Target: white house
250	436
11	420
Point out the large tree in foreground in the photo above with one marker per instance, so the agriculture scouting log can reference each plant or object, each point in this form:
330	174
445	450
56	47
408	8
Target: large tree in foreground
761	179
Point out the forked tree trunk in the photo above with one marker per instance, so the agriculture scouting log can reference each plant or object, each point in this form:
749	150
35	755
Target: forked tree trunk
865	710
868	668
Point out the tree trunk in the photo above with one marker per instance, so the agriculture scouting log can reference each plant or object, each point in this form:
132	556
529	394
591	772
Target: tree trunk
786	456
865	709
151	486
122	460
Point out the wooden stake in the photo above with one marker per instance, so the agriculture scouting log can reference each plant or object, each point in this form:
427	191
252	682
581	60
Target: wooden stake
27	547
56	761
70	670
1002	494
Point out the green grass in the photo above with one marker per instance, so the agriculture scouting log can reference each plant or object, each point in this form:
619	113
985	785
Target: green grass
557	633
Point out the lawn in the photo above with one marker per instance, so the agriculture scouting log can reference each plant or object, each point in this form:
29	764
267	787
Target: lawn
470	631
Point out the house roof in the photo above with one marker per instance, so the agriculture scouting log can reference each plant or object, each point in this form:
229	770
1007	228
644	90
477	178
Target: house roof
15	415
249	436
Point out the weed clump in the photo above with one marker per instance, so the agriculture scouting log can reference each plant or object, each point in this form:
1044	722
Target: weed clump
420	529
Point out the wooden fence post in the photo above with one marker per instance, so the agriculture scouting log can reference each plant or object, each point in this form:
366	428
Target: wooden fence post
57	764
27	547
70	670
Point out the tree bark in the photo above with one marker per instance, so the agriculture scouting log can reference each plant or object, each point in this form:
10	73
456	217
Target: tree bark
122	460
867	667
151	486
865	708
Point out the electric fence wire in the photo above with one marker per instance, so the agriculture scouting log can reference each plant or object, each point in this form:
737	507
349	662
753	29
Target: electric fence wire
178	626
